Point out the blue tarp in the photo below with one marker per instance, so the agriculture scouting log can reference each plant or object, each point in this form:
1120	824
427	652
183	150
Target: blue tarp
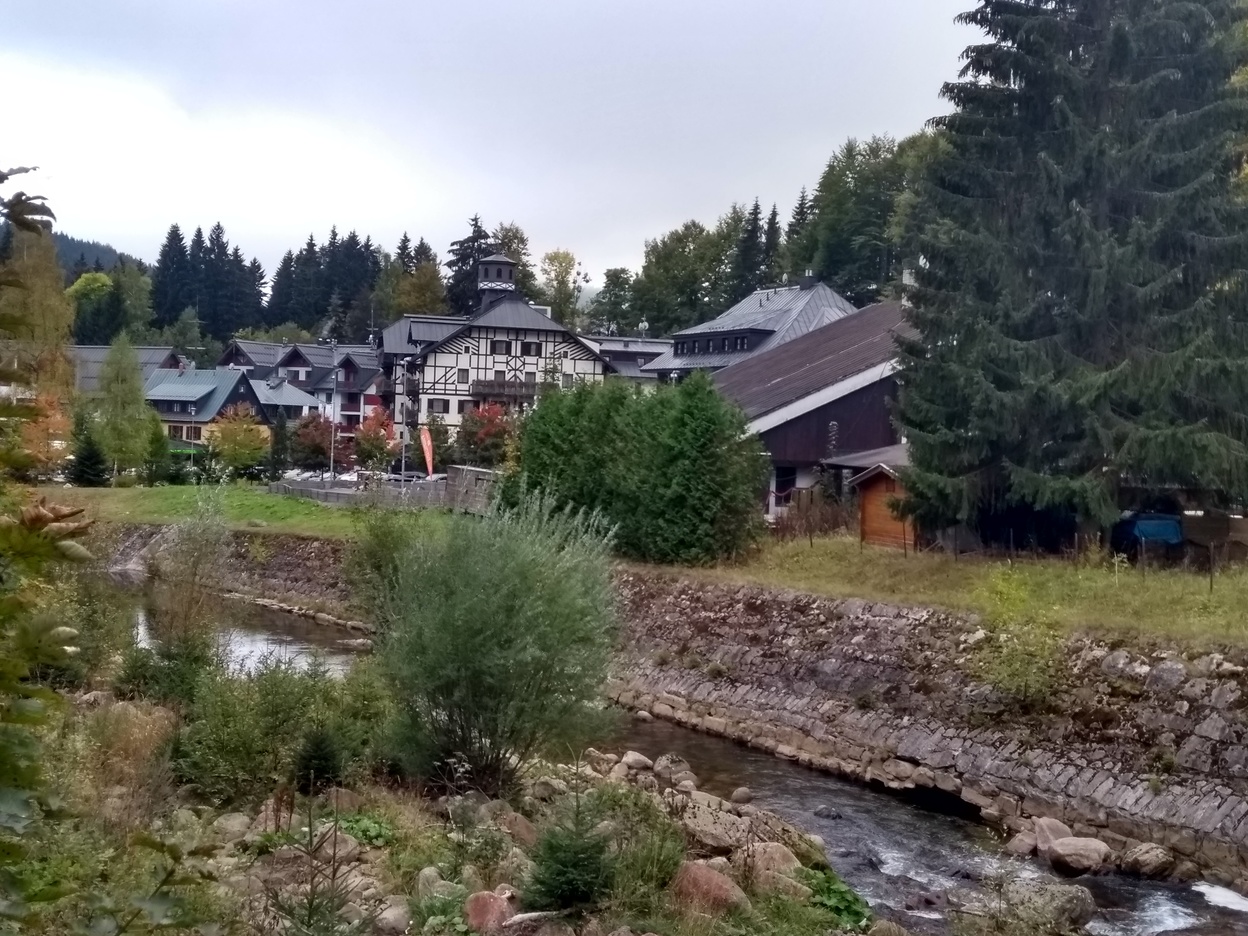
1150	528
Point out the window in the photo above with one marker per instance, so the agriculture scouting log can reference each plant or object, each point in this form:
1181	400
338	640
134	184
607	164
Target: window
463	375
351	421
511	273
177	407
353	401
890	486
531	348
467	406
567	381
498	274
439	406
565	355
500	376
741	343
175	432
723	345
786	481
500	347
193	433
530	377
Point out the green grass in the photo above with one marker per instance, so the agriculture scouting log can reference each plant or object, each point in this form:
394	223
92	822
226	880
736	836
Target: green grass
1090	596
246	507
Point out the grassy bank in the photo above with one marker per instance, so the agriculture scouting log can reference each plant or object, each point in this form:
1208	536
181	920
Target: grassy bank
1171	604
245	507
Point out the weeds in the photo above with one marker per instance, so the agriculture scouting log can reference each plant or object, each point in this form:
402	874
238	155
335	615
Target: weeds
1020	660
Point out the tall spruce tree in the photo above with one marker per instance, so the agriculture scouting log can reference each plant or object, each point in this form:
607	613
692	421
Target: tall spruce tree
171	279
773	263
423	253
747	262
803	212
1081	309
403	254
88	468
279	309
466	254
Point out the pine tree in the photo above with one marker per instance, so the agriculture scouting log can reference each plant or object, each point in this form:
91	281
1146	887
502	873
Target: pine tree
102	319
156	459
89	467
1081	311
747	262
466	254
171	279
803	212
772	261
403	254
123	411
196	254
279	309
306	307
423	253
612	311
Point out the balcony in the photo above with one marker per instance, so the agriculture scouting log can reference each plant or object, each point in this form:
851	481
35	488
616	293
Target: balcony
504	389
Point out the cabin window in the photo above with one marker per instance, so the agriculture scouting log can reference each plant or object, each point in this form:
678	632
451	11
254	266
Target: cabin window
567	381
463	375
500	347
194	433
531	348
511	273
438	405
724	345
530	377
467	406
498	273
743	343
500	376
175	432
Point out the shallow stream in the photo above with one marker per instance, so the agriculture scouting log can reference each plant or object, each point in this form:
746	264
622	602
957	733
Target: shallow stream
897	853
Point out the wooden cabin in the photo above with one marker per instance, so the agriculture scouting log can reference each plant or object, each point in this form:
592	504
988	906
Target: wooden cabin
878	489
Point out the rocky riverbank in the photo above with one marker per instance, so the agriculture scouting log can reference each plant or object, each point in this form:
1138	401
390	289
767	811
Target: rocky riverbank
1135	749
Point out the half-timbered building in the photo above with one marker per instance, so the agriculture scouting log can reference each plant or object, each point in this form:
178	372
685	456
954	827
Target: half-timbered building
448	367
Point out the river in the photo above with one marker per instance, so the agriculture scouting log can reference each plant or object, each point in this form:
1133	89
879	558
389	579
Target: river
895	851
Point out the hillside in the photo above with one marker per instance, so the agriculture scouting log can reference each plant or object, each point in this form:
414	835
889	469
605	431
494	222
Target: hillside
70	249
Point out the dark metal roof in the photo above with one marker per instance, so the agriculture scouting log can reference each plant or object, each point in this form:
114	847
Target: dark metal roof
498	258
412	332
261	353
610	344
208	389
514	311
88	359
819	359
770	316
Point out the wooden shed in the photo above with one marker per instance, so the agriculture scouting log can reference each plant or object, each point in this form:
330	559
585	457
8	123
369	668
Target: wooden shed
877	489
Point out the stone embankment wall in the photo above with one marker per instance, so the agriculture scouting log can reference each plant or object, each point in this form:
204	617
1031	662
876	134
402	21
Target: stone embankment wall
1133	748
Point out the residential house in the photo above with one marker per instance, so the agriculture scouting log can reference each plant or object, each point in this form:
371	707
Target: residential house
188	400
346	380
89	359
829	391
625	357
876	479
277	394
760	322
447	367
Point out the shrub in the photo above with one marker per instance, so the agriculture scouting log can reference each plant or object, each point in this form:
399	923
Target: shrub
649	846
1021	659
572	868
839	899
674	469
318	761
368	829
500	633
167	673
104	622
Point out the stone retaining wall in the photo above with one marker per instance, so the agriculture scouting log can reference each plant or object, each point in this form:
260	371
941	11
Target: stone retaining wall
1135	749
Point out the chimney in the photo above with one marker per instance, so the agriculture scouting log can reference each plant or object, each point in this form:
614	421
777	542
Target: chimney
808	280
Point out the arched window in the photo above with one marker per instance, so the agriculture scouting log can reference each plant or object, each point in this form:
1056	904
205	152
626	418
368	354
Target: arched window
511	273
498	274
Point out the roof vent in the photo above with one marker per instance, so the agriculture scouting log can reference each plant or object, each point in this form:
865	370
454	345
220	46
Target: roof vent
808	280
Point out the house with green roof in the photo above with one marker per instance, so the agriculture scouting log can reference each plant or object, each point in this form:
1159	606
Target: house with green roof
188	401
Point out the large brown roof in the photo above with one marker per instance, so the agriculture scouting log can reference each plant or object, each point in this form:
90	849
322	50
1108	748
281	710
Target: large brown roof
818	359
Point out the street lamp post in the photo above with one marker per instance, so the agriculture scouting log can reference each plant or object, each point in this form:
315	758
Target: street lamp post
403	427
333	407
188	432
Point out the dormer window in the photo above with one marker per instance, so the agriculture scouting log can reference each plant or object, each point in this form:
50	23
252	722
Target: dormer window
724	345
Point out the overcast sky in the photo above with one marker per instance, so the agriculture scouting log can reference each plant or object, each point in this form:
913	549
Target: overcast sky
594	125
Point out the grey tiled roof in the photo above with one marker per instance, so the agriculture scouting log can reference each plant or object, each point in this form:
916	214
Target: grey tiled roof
819	359
208	389
282	393
515	312
262	353
609	344
770	317
88	359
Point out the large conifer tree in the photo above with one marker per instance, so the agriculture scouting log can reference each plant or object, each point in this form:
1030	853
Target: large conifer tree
746	273
1083	334
466	253
171	279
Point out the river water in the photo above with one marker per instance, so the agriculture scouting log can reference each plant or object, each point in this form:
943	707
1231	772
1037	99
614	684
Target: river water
896	852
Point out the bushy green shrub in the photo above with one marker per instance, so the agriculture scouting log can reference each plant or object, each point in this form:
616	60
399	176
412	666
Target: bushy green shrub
319	760
500	633
674	468
649	846
838	898
103	619
572	868
164	673
1020	658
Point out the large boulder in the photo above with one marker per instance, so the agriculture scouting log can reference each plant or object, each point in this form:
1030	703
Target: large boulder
669	765
699	888
547	788
231	828
1075	856
425	882
742	795
711	828
335	844
515	867
1022	845
1047	832
1060	906
772	882
522	832
485	912
761	858
1148	861
394	918
634	761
